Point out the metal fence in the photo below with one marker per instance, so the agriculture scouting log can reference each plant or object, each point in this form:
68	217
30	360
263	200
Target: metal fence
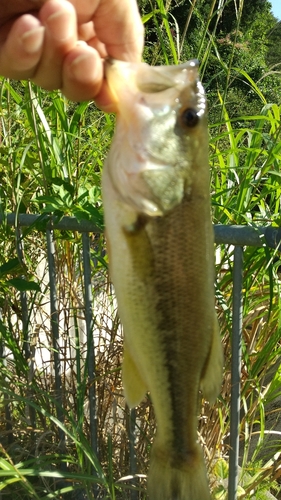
238	236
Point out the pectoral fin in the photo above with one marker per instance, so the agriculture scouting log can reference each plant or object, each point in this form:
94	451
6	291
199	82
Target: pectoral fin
134	386
212	376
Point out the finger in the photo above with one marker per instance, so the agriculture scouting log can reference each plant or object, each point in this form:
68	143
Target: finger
105	100
83	73
59	19
85	9
83	78
12	8
86	32
118	25
22	49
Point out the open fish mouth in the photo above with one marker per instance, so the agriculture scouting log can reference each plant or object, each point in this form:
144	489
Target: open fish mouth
150	79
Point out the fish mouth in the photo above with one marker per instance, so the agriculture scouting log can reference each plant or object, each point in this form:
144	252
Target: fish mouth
148	79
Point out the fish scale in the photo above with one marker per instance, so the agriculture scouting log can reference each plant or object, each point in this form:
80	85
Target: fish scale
161	256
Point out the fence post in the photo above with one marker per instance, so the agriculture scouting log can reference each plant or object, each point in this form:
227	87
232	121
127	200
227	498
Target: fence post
235	371
55	335
133	458
27	340
90	341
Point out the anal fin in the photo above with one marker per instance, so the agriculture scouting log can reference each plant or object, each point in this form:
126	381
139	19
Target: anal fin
212	376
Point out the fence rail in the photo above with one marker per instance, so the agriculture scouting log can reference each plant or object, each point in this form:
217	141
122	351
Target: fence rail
238	236
256	236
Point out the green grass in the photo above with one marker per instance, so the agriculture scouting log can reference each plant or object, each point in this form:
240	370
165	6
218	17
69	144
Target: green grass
52	152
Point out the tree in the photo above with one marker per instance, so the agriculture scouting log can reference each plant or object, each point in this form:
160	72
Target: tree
232	40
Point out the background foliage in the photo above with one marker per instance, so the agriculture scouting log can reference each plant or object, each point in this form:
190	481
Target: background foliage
51	157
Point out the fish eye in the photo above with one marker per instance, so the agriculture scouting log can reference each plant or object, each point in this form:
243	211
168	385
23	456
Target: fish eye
189	117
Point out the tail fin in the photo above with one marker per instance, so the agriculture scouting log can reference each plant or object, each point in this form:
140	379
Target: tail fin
172	478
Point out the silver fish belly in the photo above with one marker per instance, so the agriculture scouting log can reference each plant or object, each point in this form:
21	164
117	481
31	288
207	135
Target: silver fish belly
161	253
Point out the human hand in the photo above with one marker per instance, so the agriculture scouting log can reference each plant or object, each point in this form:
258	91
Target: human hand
62	44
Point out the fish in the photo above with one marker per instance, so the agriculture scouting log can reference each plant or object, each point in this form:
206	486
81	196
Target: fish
160	245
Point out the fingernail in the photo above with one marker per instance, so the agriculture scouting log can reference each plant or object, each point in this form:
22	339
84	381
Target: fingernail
81	43
60	26
110	108
82	68
32	40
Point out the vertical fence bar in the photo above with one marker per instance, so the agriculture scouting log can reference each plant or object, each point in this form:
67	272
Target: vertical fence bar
26	331
133	458
55	333
235	371
23	299
90	341
8	416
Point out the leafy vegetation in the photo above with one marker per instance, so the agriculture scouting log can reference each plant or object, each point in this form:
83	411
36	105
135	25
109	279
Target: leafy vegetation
51	157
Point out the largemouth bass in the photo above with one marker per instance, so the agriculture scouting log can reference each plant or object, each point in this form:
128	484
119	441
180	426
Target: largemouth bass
161	254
